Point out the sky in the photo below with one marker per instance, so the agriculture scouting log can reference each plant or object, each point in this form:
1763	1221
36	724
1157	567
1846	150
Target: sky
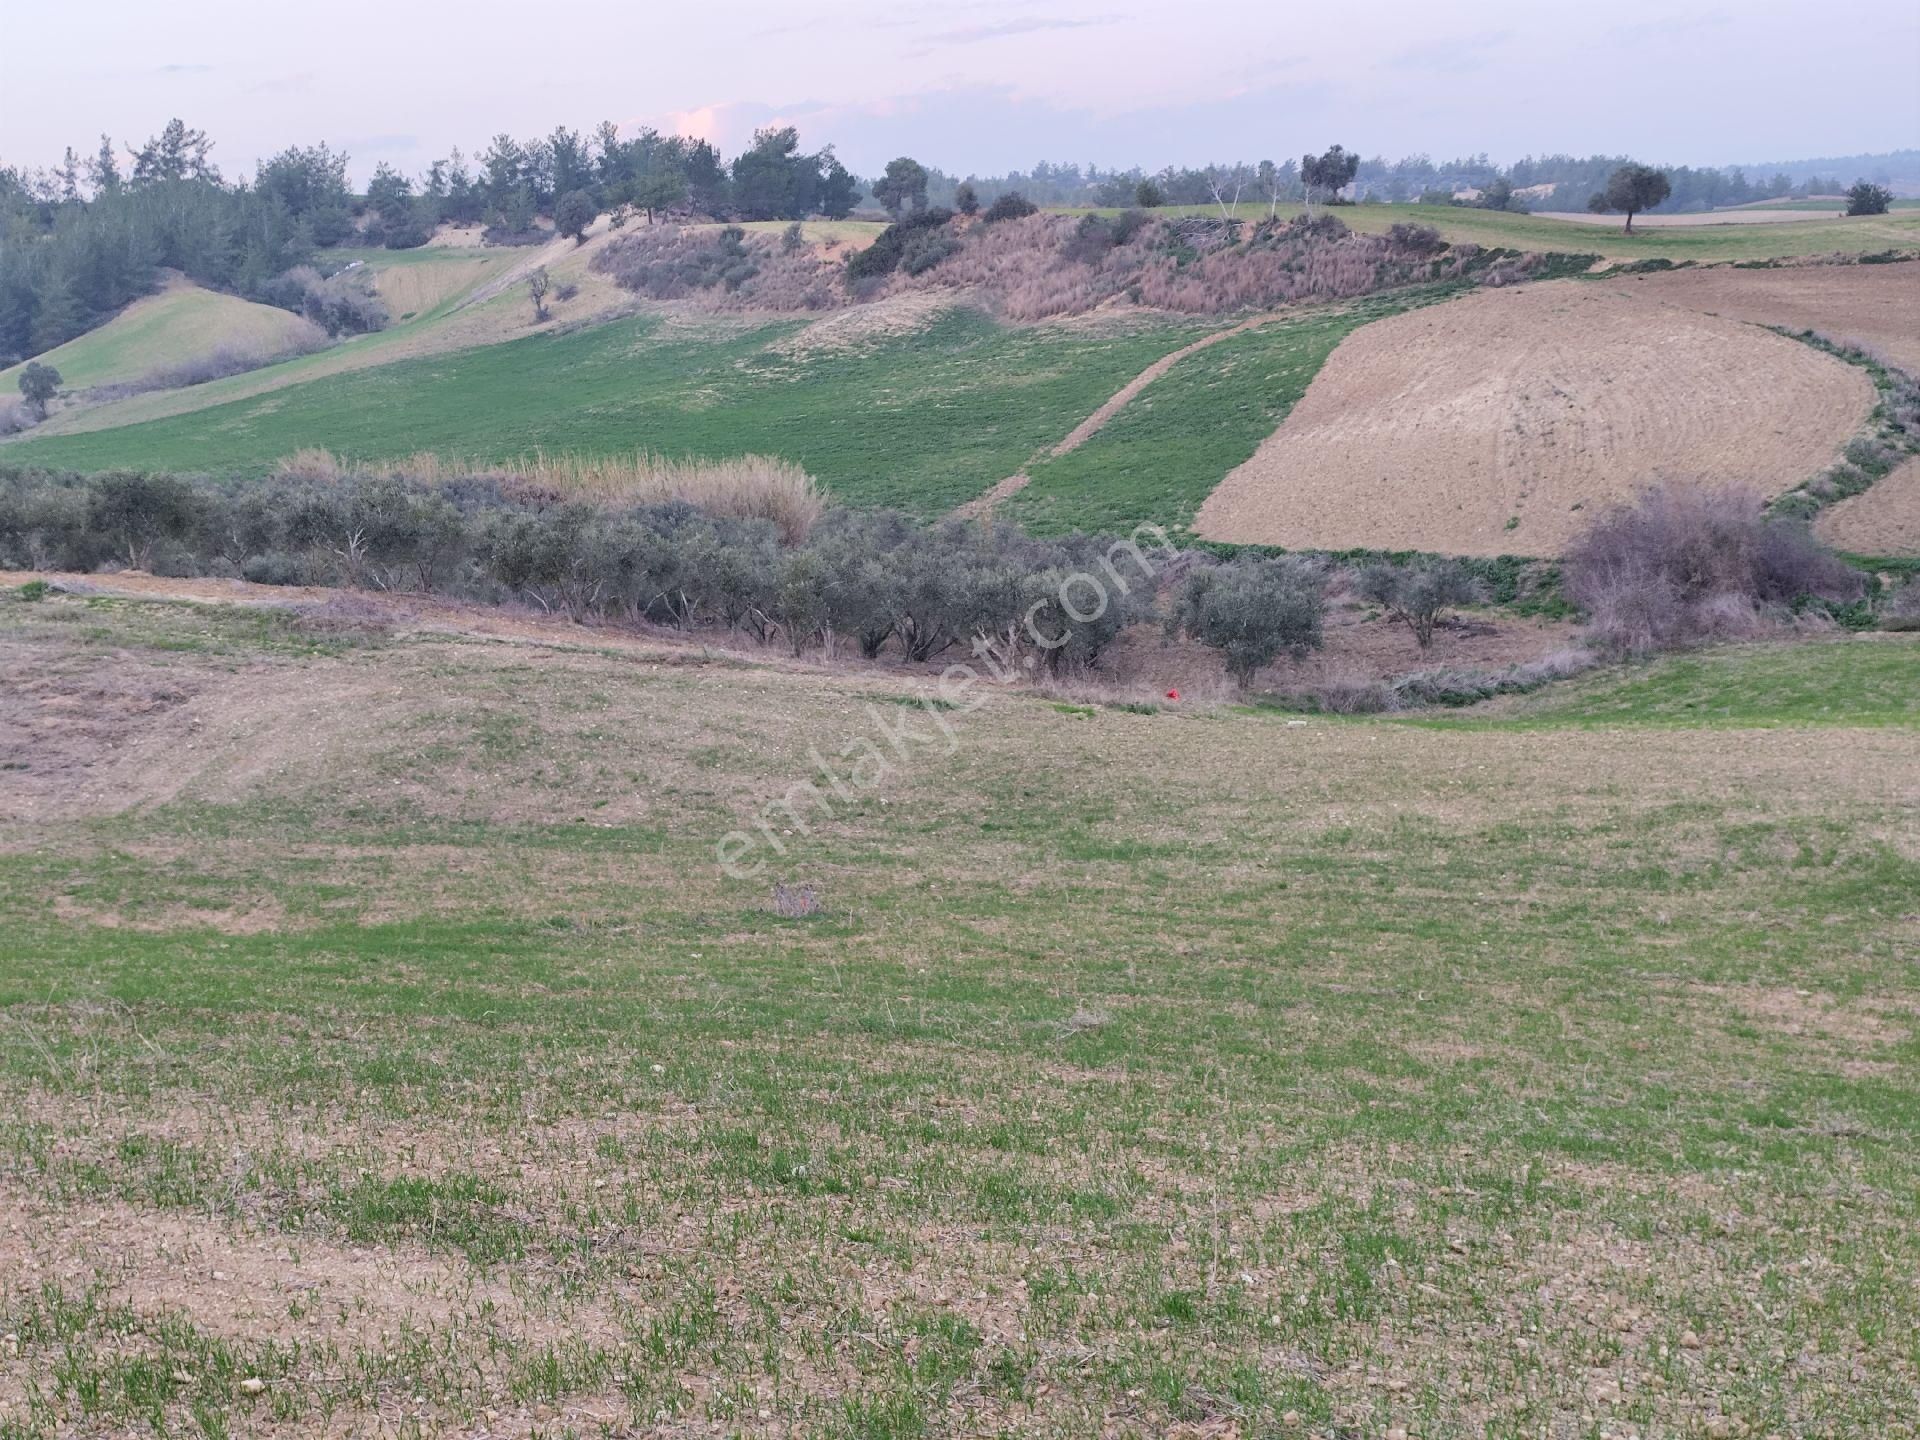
977	85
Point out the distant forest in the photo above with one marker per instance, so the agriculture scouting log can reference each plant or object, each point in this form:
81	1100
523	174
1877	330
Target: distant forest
83	239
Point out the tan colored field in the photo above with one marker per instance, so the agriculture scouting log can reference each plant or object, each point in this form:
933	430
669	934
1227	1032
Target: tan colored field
415	288
1883	521
1877	306
1500	422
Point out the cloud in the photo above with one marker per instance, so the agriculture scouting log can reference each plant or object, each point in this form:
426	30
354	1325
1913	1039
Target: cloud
1667	28
1028	25
1455	56
993	128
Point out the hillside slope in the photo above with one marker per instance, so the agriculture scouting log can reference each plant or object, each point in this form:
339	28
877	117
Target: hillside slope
180	324
1499	423
924	418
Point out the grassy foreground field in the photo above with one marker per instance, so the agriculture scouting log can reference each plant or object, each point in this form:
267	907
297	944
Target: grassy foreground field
382	1050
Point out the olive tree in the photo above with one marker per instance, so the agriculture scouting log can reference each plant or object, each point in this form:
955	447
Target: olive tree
39	383
1419	595
1631	188
1252	611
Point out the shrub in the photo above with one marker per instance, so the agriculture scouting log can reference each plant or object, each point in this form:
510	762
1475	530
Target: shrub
1902	611
1010	206
137	511
605	540
15	416
1866	198
927	250
1679	564
725	269
917	233
44	522
1252	611
344	303
1419	595
1415	239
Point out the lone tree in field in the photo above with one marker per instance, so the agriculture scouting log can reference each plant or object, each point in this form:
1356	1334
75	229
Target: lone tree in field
966	199
38	383
1866	198
1631	188
573	212
537	291
1149	196
903	187
1331	172
1419	596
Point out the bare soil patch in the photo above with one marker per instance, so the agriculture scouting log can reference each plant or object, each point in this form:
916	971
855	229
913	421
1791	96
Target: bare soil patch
1884	520
1875	306
1501	422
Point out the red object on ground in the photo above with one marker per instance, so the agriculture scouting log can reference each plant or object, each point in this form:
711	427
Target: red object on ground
1173	694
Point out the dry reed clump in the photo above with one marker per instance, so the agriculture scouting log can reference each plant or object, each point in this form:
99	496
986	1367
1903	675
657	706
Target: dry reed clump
744	487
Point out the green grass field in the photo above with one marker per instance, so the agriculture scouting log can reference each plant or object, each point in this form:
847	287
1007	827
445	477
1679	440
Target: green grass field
1161	456
1822	207
923	421
1702	243
381	1047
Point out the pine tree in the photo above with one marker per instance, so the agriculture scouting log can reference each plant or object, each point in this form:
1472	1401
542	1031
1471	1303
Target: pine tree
58	319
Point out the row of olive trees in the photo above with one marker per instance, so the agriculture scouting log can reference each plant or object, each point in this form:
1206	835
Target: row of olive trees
867	583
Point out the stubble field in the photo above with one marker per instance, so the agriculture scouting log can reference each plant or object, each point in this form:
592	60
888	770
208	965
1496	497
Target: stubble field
383	1051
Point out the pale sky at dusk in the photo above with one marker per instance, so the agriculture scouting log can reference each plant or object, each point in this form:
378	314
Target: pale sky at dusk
980	86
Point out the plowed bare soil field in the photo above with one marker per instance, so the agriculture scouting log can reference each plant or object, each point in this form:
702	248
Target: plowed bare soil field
1877	306
1883	521
1501	422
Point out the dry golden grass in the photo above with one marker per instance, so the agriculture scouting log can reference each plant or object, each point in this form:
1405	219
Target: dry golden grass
746	487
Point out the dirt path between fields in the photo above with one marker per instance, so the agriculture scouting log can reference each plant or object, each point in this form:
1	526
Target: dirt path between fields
981	506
